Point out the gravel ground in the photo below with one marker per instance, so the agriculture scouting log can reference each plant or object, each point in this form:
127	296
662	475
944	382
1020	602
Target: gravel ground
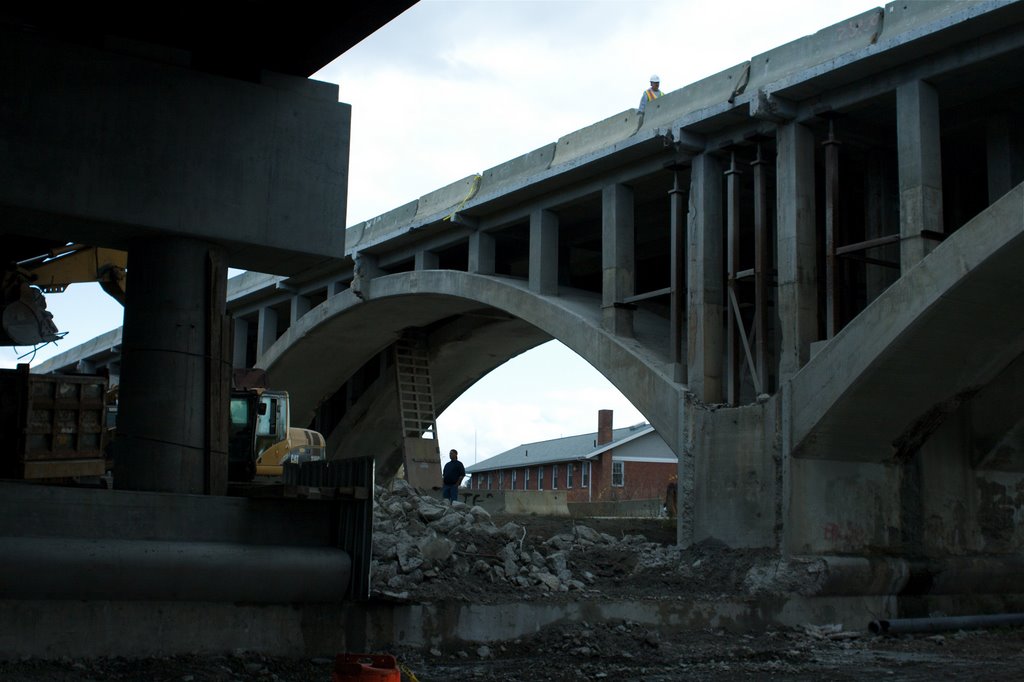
608	651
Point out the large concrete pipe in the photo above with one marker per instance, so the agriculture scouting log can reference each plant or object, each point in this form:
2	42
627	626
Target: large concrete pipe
72	568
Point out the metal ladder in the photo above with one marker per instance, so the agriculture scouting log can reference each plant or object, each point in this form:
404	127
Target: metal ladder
415	391
421	453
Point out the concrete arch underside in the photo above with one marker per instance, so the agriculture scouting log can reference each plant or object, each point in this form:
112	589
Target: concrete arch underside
949	331
472	323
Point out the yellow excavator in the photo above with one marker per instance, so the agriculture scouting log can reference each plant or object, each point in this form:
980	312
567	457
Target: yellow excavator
261	438
24	320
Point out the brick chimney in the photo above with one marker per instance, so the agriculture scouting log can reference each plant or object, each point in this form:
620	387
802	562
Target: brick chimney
604	427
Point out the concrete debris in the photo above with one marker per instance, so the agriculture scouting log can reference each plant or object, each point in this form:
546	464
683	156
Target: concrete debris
428	550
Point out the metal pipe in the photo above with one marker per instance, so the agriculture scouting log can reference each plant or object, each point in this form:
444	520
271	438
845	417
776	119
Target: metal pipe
898	626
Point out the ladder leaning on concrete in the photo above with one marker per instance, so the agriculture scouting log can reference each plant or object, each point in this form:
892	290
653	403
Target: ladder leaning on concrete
421	453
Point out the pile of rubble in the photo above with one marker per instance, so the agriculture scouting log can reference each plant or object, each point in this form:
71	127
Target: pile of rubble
422	544
426	549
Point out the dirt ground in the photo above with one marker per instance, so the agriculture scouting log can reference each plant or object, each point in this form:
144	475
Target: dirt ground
616	650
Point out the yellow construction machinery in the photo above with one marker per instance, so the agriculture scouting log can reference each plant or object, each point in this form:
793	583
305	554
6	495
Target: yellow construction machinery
261	438
24	320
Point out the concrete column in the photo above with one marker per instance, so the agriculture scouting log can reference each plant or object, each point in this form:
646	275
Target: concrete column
172	421
336	288
617	227
544	253
266	333
920	162
240	346
481	253
299	306
426	260
705	275
364	269
1005	156
797	296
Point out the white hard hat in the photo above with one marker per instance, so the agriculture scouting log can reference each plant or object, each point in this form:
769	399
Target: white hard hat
655	79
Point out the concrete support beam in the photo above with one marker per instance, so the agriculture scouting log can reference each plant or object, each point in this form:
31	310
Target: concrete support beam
481	253
299	306
617	227
544	252
266	333
797	296
364	269
705	280
172	422
240	344
426	260
1005	156
920	163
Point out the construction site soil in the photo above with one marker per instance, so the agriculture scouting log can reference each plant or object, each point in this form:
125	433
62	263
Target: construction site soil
430	552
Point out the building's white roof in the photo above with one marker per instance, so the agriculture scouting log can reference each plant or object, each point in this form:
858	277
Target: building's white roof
568	449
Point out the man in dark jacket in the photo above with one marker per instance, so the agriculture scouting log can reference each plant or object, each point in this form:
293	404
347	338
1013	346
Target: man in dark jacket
452	476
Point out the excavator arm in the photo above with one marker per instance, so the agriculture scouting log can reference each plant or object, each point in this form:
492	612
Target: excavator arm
24	320
60	268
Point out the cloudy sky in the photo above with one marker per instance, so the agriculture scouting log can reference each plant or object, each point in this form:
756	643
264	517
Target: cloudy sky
453	87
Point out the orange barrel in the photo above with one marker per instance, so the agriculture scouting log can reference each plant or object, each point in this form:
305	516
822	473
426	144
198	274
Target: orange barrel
366	668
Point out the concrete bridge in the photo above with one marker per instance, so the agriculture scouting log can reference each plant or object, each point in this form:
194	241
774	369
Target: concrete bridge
802	270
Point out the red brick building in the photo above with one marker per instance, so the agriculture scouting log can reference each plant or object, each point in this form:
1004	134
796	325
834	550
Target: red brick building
631	463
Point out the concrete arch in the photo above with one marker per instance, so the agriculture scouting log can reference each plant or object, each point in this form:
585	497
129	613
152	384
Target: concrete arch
944	331
318	353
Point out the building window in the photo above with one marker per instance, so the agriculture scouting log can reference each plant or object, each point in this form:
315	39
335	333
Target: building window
618	474
501	480
554	477
568	475
513	487
526	478
540	478
584	474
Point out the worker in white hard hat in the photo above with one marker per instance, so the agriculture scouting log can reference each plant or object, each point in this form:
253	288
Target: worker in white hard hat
651	93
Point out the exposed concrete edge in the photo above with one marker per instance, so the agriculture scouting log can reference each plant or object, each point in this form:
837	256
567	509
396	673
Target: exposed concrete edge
372	231
495	180
822	46
819	386
621	360
597	136
889	39
448	198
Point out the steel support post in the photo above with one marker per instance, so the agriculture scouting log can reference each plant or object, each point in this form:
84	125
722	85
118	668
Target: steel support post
831	145
677	302
762	269
734	324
